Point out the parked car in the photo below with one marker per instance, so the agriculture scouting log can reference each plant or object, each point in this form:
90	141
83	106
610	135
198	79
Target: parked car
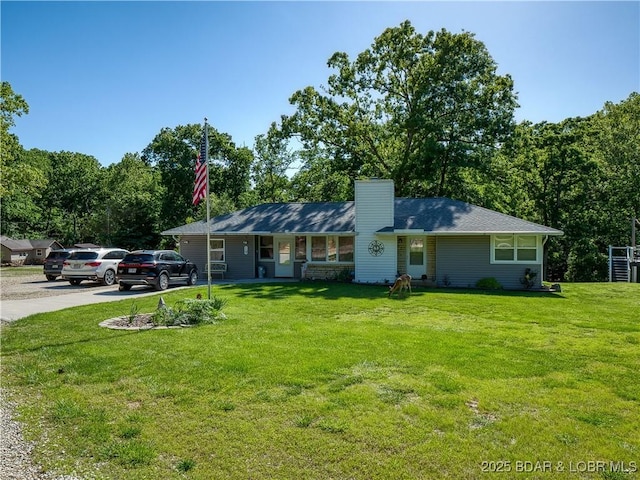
53	263
98	265
157	268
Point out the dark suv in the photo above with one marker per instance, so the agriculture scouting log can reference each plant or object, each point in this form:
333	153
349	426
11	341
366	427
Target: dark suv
158	268
54	261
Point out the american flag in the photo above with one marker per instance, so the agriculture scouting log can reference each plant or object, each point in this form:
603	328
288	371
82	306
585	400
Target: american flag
200	188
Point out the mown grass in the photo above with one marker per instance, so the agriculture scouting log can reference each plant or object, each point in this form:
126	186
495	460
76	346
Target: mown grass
318	380
21	271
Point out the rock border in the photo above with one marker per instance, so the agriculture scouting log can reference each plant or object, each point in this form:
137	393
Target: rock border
141	322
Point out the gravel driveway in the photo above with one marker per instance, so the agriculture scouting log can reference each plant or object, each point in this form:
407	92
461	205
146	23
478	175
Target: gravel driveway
34	285
27	292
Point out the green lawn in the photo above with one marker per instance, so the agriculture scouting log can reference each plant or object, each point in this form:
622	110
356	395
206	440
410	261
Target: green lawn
327	380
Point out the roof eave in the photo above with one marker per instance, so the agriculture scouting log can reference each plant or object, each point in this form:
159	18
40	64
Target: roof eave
385	231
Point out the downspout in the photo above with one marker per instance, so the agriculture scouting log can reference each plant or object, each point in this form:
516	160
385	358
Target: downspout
544	259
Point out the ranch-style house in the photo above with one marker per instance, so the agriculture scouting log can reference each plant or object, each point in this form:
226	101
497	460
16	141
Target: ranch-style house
371	239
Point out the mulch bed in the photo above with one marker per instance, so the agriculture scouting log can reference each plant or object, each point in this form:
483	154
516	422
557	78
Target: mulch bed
141	321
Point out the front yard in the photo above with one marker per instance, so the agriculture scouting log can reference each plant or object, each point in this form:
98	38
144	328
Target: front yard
327	380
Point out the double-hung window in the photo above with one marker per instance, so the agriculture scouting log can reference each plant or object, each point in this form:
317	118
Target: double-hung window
217	249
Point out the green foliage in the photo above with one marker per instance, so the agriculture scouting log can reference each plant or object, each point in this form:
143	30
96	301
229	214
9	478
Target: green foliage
586	263
76	189
185	465
11	105
488	283
131	214
191	312
131	453
173	152
414	108
345	275
133	311
269	171
529	278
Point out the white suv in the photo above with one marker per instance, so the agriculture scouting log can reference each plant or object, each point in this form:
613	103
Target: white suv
96	264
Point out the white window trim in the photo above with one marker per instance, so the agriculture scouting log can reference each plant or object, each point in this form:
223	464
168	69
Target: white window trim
223	250
515	261
273	248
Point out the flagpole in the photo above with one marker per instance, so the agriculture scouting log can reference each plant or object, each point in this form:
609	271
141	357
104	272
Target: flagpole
206	159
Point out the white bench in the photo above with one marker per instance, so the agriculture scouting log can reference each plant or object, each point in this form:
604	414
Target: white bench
217	267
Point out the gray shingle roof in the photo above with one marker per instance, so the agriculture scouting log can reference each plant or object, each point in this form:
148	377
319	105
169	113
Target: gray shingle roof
322	217
431	215
25	245
446	216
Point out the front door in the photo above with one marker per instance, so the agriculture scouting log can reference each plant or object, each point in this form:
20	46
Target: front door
416	257
284	256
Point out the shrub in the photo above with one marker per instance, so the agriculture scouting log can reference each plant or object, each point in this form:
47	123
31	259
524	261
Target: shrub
488	283
529	279
191	312
345	275
587	264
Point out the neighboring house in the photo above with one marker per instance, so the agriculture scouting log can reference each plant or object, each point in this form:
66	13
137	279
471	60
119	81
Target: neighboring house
437	240
26	252
86	245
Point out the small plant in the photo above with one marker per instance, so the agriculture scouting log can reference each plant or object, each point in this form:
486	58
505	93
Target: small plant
185	465
529	278
191	312
446	281
129	453
130	432
133	312
163	316
488	283
304	421
345	276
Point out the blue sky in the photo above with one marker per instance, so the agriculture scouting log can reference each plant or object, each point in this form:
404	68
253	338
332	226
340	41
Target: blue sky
102	78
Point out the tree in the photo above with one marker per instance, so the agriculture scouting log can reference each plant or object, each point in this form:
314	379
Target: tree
272	160
174	151
130	217
318	181
11	105
413	108
21	179
617	145
75	191
551	175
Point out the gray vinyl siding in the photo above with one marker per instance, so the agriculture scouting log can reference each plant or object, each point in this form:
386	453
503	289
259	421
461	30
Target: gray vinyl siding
195	249
239	265
464	260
